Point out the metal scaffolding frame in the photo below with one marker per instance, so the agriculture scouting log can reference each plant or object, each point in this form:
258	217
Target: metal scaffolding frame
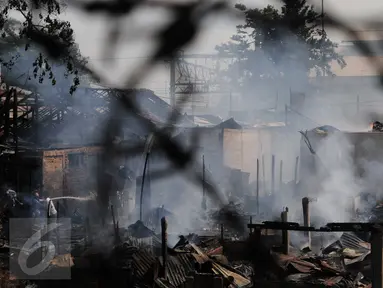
198	78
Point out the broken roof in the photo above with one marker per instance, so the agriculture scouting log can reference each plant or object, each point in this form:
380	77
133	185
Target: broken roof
139	230
229	124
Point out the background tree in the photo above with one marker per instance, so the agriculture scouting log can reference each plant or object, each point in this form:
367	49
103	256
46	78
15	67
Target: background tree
38	42
274	43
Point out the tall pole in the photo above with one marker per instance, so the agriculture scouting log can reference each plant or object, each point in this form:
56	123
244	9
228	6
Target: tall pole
306	218
203	184
164	242
148	148
280	175
142	185
296	170
257	187
263	172
286	112
323	58
357	104
15	138
272	174
322	16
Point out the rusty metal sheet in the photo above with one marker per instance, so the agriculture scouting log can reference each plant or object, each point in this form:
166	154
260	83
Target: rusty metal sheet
301	266
65	260
332	281
216	251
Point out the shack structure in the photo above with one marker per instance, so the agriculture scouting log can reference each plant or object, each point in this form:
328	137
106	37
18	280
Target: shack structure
70	171
59	172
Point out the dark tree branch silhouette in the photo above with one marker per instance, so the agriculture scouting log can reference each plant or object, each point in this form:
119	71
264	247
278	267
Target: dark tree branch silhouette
40	26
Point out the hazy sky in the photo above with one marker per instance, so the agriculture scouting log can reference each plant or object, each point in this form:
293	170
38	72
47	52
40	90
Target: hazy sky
137	42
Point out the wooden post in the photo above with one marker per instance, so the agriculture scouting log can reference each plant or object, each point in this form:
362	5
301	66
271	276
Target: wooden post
164	241
296	170
357	104
306	218
376	259
88	232
263	173
217	282
285	233
257	191
222	233
115	227
286	113
251	222
280	174
257	236
272	174
203	204
15	139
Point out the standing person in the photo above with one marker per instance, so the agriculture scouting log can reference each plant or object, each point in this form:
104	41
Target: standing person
51	211
37	205
51	216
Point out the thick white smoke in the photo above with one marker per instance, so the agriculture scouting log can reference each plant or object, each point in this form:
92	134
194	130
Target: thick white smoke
340	184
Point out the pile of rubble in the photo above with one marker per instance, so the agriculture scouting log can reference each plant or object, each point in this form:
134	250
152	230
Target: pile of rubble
138	257
345	263
193	262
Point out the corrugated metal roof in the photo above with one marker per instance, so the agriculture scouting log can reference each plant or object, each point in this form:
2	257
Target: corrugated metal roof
188	261
143	261
176	272
162	283
178	268
350	240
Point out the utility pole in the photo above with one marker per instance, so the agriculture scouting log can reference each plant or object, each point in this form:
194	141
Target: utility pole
203	204
230	105
322	16
357	104
257	187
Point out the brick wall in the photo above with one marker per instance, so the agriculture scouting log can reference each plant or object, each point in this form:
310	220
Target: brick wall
69	171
